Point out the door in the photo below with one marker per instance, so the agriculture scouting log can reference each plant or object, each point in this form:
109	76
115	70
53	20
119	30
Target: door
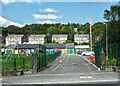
71	51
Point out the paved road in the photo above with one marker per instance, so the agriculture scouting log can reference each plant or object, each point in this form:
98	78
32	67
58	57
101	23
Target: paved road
73	70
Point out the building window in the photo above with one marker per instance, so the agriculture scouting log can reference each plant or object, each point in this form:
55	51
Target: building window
39	38
10	38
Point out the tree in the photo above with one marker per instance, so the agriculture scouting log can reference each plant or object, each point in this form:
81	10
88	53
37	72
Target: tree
113	21
45	41
53	42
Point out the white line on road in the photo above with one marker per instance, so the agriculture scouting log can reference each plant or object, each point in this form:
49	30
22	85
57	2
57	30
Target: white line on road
73	74
56	67
67	82
83	77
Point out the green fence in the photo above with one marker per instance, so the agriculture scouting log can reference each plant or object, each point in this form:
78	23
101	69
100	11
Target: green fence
113	55
97	55
44	58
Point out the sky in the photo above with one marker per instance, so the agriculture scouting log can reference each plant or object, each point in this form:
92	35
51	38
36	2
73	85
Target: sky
29	12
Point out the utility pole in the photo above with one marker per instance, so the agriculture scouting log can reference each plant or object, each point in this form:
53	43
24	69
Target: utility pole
90	36
106	44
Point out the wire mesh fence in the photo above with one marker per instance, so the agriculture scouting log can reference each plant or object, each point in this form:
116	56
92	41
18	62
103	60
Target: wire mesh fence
113	55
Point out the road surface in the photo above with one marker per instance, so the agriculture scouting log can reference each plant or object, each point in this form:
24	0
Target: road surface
73	70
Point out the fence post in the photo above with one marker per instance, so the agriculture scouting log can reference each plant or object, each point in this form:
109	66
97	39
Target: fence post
117	54
45	56
49	57
23	63
15	66
39	63
42	57
39	57
102	60
34	62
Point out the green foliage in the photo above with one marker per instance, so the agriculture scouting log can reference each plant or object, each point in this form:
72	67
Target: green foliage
113	24
53	42
84	43
3	46
45	41
69	41
75	43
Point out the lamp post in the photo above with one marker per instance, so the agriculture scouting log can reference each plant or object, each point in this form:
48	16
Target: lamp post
106	44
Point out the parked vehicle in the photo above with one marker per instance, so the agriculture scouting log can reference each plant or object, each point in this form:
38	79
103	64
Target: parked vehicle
85	53
80	52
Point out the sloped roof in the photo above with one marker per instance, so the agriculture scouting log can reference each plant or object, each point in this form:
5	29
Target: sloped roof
81	35
36	35
70	45
47	45
59	35
15	35
50	45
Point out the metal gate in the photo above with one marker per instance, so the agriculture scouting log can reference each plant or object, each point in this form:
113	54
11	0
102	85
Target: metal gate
41	56
97	55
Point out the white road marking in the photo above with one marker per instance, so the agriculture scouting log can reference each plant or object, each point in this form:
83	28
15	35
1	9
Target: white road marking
67	82
0	79
83	77
56	67
72	74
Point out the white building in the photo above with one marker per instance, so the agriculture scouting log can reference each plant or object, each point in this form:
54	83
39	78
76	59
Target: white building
59	38
36	39
13	39
75	29
81	38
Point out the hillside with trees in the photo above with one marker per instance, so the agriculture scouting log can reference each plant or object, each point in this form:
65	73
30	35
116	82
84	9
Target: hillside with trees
112	17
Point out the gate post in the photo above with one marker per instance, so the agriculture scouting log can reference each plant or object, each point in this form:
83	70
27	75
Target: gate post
117	54
102	60
34	62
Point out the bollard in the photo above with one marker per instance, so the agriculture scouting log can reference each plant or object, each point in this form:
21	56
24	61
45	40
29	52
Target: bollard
102	60
39	63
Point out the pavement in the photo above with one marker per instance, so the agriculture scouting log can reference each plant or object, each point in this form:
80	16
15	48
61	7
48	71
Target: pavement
73	70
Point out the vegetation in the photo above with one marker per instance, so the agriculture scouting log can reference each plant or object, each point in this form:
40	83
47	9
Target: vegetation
53	42
45	41
9	63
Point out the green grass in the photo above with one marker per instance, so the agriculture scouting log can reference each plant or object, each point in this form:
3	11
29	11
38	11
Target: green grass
9	63
111	63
